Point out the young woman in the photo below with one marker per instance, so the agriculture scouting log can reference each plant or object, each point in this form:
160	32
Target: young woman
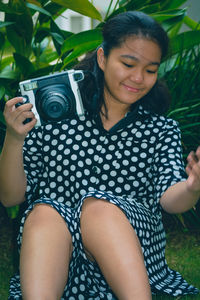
95	186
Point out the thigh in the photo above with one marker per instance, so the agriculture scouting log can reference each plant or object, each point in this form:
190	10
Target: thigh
46	225
45	252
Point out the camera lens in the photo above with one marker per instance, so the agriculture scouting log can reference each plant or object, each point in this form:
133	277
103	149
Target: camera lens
55	106
55	102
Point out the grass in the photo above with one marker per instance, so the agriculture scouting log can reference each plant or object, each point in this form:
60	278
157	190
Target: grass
182	253
6	258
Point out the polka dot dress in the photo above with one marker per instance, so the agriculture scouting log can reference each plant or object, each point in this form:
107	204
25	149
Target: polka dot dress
131	166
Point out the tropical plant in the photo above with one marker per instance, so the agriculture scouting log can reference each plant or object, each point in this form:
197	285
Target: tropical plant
33	45
182	74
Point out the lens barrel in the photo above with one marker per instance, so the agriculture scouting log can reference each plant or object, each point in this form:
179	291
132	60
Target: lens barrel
54	103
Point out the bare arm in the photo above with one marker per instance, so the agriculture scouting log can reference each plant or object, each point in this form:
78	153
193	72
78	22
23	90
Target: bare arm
12	176
184	195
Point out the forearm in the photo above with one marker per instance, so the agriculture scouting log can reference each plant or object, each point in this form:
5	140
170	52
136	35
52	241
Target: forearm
178	198
12	176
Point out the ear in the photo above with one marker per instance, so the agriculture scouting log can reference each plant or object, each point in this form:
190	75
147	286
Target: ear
101	58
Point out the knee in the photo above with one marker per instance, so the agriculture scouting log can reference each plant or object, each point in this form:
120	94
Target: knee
40	215
44	218
95	208
98	211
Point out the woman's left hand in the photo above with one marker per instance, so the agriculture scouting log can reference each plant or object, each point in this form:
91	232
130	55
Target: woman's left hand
193	171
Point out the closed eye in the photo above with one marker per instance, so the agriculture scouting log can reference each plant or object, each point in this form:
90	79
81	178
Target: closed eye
127	65
151	72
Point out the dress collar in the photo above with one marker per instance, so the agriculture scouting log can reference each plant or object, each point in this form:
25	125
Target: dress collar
137	113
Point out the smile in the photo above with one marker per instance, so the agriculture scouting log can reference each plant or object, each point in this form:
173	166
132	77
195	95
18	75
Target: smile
132	89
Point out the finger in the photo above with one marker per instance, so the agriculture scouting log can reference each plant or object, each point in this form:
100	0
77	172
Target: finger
192	158
195	171
12	102
10	106
198	153
194	177
188	169
11	115
24	107
28	126
21	128
21	116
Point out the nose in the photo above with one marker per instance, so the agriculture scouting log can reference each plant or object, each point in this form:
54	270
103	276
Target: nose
137	76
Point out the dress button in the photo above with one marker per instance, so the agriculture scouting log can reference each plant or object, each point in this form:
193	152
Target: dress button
96	170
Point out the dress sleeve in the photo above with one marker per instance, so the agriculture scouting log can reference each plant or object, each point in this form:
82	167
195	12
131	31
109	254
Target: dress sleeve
168	159
33	164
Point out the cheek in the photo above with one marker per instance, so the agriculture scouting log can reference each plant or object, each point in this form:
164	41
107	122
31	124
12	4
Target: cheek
112	76
152	82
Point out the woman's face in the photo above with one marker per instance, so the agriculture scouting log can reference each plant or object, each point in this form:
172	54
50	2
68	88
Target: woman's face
130	71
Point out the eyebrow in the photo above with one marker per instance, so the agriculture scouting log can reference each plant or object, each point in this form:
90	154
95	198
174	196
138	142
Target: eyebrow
155	63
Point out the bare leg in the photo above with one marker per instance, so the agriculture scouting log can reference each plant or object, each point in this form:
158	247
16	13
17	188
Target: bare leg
45	254
110	239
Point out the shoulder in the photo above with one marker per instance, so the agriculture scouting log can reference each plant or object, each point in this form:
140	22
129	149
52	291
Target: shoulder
159	121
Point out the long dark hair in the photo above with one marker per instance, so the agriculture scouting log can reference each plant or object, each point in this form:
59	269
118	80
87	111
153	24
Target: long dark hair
115	32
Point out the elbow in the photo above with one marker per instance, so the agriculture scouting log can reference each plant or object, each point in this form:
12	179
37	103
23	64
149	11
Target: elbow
6	202
173	209
167	206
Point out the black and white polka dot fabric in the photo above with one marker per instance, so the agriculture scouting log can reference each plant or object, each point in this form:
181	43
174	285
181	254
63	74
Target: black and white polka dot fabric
131	166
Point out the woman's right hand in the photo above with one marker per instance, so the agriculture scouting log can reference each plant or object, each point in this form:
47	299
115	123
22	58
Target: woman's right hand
15	117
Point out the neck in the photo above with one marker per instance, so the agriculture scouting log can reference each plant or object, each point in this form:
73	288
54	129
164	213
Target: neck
112	114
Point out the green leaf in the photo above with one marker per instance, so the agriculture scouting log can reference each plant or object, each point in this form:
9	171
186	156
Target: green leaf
4	24
25	66
81	43
48	56
122	2
54	9
8	74
191	23
58	36
89	46
184	41
172	22
2	91
6	61
13	211
149	9
41	34
20	34
171	4
55	28
46	70
136	4
174	30
190	125
81	39
38	8
168	14
83	7
2	40
5	8
2	120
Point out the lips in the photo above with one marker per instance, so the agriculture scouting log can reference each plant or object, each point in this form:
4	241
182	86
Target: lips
132	89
